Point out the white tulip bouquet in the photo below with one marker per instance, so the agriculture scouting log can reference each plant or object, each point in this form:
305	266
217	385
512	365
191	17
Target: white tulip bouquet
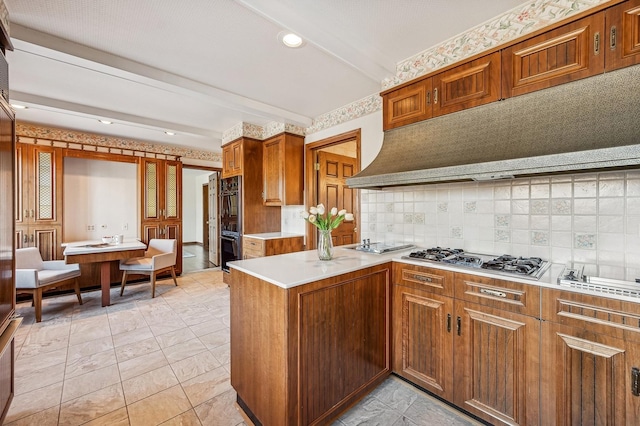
326	221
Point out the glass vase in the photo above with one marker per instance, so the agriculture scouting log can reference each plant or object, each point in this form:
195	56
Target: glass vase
325	244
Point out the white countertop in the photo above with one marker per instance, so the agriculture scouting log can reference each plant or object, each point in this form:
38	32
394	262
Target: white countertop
294	269
87	247
272	235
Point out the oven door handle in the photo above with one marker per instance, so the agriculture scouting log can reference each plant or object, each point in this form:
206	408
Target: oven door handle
234	243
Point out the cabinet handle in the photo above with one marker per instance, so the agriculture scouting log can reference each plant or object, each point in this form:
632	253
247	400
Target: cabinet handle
635	381
612	37
31	238
459	325
435	95
495	293
448	323
423	278
26	213
25	238
32	213
596	43
428	97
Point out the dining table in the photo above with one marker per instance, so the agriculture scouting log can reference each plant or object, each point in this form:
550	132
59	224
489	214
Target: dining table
103	254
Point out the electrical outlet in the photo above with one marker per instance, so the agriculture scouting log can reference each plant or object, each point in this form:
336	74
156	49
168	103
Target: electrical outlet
125	227
91	227
103	226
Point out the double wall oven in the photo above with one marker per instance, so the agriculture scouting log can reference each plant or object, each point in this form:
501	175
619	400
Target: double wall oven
230	220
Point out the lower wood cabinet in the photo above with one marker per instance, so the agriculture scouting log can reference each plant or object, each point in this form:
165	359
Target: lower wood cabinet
303	355
590	360
469	340
253	247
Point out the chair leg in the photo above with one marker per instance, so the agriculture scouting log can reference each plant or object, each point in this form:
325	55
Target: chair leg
37	302
153	284
124	282
77	285
173	274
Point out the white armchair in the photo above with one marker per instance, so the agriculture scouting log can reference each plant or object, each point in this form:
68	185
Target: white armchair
33	276
159	257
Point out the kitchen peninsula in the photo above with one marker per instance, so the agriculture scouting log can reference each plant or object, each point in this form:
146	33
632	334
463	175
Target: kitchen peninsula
310	338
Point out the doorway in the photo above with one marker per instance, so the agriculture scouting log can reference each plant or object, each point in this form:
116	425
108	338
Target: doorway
329	162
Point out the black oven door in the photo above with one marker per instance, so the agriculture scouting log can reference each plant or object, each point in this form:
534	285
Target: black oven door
229	250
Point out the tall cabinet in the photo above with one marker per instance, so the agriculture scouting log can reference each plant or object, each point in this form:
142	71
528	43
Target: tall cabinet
38	201
161	201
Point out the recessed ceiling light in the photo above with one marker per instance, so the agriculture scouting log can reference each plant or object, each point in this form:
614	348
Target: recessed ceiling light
290	39
169	133
105	121
18	106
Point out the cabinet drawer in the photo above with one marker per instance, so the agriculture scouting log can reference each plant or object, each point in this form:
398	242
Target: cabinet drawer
426	279
501	294
253	244
602	315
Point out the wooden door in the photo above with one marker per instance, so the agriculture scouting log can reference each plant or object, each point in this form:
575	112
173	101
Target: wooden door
213	218
205	216
423	339
333	191
496	364
623	35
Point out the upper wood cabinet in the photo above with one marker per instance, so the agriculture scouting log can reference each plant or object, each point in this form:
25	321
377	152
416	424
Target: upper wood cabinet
232	159
568	53
468	85
39	199
161	189
283	170
623	32
408	105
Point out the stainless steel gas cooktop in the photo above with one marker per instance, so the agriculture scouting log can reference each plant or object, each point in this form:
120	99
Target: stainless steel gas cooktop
525	267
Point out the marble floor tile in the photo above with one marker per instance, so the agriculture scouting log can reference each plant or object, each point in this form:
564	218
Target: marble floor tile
193	366
149	383
142	364
92	381
91	406
206	386
220	410
144	361
159	407
48	417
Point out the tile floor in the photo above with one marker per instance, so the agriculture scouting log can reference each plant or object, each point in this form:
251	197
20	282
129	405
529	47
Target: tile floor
144	361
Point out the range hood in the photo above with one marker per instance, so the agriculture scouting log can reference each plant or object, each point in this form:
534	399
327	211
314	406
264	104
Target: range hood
586	125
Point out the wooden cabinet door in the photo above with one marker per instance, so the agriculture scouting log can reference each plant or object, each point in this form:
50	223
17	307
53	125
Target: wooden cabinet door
150	179
587	377
568	53
423	339
232	159
623	35
407	105
468	85
171	191
497	364
273	161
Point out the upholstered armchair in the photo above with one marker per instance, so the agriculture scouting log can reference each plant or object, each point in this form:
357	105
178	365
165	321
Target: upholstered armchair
159	257
33	276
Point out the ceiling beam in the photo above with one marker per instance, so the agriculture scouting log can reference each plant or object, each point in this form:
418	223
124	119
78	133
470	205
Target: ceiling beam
81	55
64	107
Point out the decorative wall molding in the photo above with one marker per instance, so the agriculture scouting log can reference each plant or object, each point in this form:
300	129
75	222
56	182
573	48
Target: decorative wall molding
254	131
72	136
515	23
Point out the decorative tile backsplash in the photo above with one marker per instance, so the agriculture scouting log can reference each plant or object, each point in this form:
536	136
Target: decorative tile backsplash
592	217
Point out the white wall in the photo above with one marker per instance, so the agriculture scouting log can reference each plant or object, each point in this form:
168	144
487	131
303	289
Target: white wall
192	181
102	194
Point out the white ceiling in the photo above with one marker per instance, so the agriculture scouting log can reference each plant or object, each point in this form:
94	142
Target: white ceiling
199	67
